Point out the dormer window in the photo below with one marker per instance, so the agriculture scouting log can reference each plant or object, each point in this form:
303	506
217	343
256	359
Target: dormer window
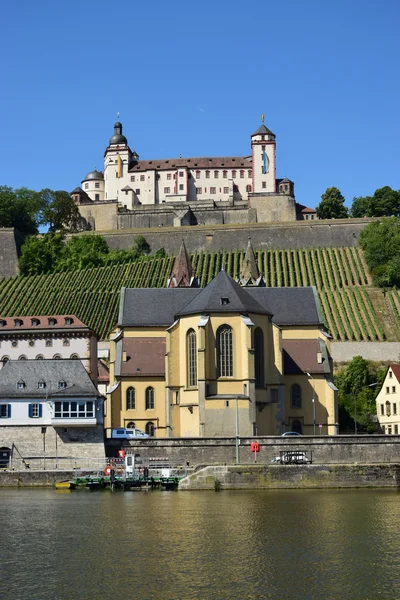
52	322
68	321
20	385
224	301
35	322
62	385
3	323
18	322
41	385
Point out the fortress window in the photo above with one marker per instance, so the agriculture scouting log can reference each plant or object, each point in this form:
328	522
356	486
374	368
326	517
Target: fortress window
197	174
97	197
233	173
181	186
248	188
191	351
226	190
137	192
224	351
132	178
130	398
241	174
86	186
207	174
216	174
250	174
168	175
180	173
96	185
213	190
263	148
167	190
259	357
264	185
199	190
150	403
225	174
142	178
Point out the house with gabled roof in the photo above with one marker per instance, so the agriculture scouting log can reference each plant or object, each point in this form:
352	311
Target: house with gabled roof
388	402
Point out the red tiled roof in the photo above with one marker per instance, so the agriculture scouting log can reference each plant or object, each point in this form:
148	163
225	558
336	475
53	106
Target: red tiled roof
308	210
300	356
103	372
230	162
396	370
145	356
9	323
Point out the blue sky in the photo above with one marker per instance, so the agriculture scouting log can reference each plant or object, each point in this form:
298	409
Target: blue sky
194	78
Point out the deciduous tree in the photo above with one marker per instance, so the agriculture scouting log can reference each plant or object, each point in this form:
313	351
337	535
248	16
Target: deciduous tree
332	205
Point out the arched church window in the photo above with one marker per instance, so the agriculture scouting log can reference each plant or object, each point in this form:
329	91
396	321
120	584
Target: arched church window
191	353
150	429
150	403
130	398
259	357
225	351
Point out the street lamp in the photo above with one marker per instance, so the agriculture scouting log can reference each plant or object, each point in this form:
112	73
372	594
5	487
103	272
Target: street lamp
369	385
313	397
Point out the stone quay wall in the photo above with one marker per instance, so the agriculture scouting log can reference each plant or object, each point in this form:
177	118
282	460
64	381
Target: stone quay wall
236	477
29	444
341	449
300	234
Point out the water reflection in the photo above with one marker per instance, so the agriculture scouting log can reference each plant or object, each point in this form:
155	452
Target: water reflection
288	544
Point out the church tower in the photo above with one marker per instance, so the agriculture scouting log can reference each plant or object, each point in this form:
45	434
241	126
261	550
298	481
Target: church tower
263	150
182	270
117	159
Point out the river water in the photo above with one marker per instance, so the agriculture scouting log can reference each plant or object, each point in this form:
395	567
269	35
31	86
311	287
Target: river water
245	545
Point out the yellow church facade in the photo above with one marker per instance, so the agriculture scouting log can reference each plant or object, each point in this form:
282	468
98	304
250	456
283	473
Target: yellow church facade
190	362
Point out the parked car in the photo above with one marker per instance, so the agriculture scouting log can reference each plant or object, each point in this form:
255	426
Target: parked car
290	433
129	434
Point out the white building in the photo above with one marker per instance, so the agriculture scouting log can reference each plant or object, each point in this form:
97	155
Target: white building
48	337
133	182
388	402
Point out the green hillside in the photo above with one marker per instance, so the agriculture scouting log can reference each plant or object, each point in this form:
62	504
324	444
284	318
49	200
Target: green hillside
353	310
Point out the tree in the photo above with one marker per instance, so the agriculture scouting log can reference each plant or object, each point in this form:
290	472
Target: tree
360	207
384	203
83	251
355	395
141	246
59	211
332	205
40	254
13	212
380	242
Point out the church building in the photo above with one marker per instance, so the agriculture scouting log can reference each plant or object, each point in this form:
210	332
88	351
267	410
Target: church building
189	362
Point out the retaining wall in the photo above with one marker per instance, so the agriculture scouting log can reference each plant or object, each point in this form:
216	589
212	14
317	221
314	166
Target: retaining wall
341	449
292	476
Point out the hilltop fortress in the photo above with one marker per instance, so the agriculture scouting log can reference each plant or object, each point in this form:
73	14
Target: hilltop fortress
134	193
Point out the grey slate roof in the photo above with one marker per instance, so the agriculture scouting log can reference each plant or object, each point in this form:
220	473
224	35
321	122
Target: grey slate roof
290	306
223	287
145	307
51	372
262	129
141	307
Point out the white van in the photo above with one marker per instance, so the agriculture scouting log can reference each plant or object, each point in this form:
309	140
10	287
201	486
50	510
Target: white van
128	434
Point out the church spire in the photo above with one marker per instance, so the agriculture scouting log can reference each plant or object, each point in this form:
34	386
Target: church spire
249	273
182	270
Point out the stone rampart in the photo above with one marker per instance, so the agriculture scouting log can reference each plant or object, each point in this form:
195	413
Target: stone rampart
341	449
302	234
234	477
10	244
